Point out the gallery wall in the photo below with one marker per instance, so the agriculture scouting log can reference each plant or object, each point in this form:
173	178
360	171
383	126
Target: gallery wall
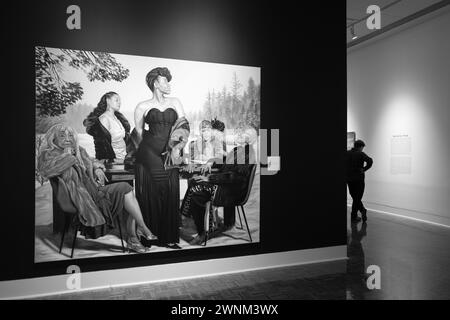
398	103
294	215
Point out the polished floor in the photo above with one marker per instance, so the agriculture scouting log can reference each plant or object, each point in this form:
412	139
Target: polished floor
413	257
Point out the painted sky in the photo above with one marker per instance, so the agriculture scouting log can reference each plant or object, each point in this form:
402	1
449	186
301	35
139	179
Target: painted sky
191	80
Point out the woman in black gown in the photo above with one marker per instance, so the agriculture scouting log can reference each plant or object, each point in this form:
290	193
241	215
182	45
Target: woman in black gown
157	189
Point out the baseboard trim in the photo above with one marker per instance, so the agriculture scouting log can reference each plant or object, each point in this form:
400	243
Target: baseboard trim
405	214
45	286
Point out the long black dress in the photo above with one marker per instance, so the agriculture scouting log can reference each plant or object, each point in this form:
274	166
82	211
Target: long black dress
157	189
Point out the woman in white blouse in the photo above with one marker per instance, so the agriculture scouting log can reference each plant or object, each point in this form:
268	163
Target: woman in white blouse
109	128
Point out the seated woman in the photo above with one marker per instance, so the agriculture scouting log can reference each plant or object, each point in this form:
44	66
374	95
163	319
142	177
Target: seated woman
208	149
227	185
209	145
97	205
109	128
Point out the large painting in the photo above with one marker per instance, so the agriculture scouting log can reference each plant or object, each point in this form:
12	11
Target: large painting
139	155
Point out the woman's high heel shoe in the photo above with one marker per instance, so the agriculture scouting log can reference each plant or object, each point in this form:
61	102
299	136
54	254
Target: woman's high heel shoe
147	241
136	246
151	237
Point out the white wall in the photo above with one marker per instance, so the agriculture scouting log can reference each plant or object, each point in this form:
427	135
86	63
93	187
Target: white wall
400	85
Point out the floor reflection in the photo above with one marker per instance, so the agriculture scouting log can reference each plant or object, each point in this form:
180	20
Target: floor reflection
356	267
413	258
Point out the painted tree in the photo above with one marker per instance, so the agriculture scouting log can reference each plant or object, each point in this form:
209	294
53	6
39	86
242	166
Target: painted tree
236	107
233	107
53	93
252	116
208	106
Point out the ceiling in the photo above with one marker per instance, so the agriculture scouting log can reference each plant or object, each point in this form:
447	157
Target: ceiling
396	11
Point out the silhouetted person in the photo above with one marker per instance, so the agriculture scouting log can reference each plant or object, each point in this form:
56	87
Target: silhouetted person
357	163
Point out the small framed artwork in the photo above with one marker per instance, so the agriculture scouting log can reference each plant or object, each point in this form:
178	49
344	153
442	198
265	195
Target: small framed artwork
351	138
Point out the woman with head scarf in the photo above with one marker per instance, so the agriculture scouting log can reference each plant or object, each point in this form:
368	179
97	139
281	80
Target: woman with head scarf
226	186
209	144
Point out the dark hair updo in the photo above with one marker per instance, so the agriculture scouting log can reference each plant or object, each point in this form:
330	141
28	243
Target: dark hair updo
153	75
103	104
218	125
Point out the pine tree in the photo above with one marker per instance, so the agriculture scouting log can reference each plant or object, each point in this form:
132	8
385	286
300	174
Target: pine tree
251	89
235	101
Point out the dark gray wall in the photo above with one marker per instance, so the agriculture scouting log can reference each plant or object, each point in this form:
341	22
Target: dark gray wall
303	94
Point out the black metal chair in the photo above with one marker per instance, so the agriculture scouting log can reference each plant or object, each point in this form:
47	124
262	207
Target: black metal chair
65	213
238	204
